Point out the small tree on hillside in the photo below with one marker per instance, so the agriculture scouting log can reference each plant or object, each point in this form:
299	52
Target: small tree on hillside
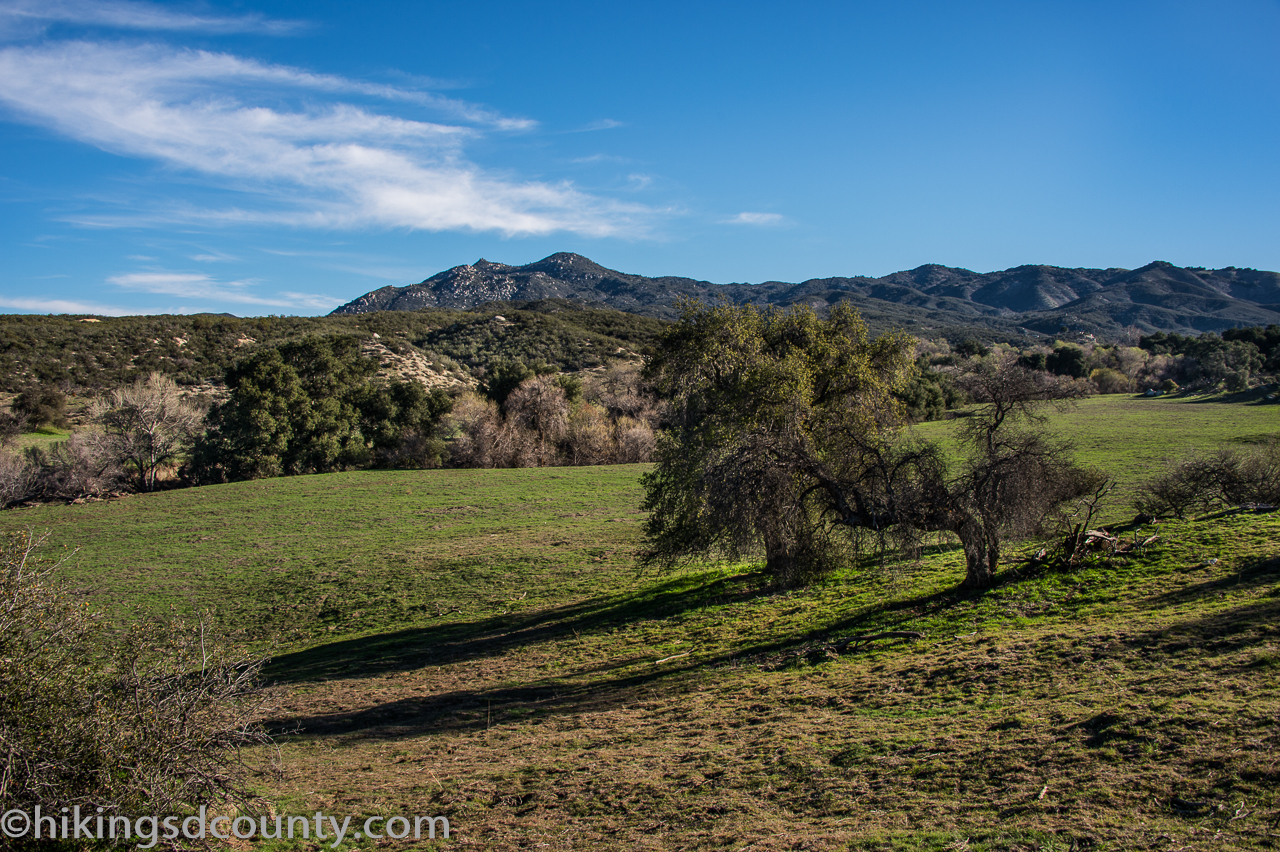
41	406
149	426
785	437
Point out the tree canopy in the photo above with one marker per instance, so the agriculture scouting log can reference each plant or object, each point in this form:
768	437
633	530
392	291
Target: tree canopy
313	406
785	437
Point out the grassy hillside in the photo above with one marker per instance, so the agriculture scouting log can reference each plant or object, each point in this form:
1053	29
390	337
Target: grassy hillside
480	644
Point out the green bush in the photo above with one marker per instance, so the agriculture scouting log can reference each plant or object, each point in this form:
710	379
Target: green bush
41	406
314	406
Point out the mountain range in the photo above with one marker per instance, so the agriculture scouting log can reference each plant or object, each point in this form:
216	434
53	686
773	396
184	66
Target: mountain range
1025	300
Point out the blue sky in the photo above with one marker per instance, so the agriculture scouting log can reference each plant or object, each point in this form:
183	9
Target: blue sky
286	157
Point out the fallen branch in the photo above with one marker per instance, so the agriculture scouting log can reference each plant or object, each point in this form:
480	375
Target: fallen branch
675	657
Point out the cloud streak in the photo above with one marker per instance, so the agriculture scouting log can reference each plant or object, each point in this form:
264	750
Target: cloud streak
332	165
35	15
757	219
205	287
62	306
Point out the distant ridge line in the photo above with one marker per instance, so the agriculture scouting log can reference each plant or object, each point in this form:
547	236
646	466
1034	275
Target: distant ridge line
1036	298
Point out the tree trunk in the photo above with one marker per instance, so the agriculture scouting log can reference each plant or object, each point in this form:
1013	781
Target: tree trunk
980	554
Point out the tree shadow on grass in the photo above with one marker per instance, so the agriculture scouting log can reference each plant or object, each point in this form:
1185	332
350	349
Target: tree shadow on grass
455	642
597	688
479	709
1259	572
1218	633
1253	396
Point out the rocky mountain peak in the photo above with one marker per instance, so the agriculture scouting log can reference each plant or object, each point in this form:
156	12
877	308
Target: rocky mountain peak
1038	297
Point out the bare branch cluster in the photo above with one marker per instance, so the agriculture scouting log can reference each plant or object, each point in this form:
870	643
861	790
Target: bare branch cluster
1204	482
149	425
151	723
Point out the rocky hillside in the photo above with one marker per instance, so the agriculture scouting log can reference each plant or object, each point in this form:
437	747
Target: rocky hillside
931	298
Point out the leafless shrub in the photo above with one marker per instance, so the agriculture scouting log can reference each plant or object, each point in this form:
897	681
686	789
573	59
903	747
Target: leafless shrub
474	425
589	438
11	426
81	466
148	426
623	392
1074	523
538	426
635	440
153	723
537	420
1260	476
17	479
1204	482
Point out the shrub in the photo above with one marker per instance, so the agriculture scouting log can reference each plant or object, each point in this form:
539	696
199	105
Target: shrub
150	723
17	479
1110	381
11	426
81	466
42	406
1200	483
149	425
635	441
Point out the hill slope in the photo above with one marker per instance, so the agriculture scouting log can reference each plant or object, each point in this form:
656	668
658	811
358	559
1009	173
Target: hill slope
437	347
1158	296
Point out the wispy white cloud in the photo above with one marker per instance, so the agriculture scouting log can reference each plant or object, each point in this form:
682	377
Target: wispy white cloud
758	219
62	306
602	124
199	286
213	257
358	263
25	16
337	165
600	158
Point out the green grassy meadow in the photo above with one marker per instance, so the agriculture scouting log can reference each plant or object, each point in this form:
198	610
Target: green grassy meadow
481	644
1131	437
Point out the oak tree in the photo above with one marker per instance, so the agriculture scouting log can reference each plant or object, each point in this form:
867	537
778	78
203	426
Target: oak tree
786	436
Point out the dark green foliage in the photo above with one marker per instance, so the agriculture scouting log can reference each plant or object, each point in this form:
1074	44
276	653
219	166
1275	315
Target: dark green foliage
310	407
971	346
1034	361
399	420
41	406
502	377
767	409
635	329
785	437
477	340
572	387
1210	360
928	395
1068	361
1265	340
